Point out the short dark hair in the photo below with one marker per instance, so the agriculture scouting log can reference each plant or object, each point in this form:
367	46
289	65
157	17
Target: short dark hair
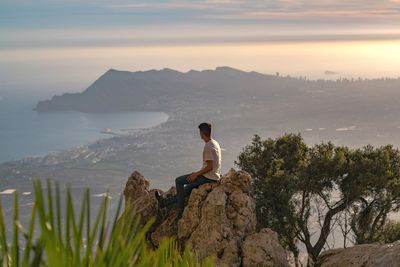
205	128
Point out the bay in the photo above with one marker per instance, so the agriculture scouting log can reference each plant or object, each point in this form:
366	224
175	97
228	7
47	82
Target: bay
24	132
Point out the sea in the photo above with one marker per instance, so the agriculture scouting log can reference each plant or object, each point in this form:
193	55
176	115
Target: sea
25	132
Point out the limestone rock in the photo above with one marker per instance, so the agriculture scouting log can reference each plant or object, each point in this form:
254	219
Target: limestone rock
263	249
367	255
137	194
218	221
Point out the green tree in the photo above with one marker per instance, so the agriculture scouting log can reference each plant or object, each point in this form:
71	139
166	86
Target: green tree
275	167
301	191
380	168
390	232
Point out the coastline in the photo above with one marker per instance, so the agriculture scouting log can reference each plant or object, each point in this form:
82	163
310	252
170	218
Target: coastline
131	133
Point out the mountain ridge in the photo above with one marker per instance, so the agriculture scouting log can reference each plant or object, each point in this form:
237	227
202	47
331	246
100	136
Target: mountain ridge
169	90
164	83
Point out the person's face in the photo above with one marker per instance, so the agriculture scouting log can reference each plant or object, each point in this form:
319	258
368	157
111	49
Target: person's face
201	135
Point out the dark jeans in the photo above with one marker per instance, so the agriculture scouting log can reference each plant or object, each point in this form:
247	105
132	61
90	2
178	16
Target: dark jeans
182	191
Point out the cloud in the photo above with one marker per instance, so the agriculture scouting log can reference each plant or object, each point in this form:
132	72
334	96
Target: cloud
187	35
152	6
62	23
309	15
279	10
169	5
67	13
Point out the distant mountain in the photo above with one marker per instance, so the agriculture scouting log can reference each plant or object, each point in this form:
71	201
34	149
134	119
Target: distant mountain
159	89
230	91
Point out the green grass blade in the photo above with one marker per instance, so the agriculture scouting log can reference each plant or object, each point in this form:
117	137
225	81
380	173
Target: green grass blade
3	239
50	214
15	245
58	212
28	247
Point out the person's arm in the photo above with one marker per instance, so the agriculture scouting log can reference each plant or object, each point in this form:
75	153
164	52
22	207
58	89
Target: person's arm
206	169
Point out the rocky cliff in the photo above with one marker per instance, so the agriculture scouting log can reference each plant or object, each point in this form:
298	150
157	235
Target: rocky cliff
218	221
367	255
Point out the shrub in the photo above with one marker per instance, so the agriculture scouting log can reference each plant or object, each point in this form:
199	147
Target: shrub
73	240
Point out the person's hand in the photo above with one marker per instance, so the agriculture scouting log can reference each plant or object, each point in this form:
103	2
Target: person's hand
192	177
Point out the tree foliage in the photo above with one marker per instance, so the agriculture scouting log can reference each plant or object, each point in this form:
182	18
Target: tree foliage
301	191
390	232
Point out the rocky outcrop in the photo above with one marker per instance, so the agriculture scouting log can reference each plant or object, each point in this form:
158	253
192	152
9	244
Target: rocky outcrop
137	192
368	255
219	221
254	247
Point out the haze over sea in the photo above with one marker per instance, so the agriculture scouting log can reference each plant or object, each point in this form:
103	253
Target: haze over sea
24	132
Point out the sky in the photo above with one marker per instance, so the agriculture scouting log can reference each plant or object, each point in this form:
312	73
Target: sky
63	45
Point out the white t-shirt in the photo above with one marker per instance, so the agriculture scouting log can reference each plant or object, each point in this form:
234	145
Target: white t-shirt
212	151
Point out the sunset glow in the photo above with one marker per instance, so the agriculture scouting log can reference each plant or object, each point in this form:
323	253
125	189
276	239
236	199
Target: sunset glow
76	42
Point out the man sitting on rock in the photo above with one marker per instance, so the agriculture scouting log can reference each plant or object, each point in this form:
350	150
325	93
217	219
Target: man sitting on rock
209	173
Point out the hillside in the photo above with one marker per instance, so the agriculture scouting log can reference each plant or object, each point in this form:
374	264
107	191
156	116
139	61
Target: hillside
156	89
227	90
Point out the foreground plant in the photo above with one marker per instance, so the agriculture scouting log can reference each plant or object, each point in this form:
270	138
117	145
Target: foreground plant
73	240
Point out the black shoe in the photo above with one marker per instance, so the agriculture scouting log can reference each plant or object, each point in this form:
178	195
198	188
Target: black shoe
160	199
179	214
175	221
